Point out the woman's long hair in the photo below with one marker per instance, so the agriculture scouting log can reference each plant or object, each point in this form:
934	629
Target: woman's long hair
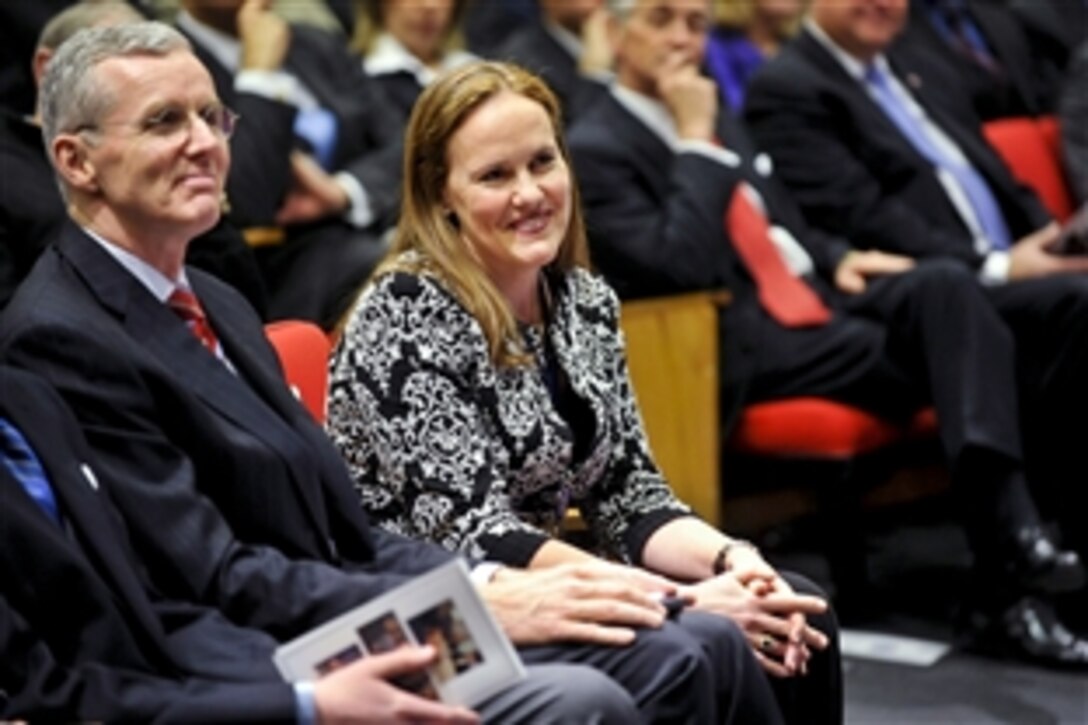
429	230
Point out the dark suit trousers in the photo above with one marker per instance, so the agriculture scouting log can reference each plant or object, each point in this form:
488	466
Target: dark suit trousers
1049	320
929	336
699	668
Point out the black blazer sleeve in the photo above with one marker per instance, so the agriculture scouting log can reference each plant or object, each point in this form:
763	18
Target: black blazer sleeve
35	686
189	549
650	236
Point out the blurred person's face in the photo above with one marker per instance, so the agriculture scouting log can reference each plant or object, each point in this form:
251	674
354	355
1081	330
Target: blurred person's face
156	162
510	189
220	14
421	26
656	31
862	28
779	14
570	13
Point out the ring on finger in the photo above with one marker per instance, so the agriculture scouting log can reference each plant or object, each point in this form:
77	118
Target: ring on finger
766	642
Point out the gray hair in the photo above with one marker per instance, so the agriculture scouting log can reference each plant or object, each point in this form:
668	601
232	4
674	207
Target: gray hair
71	96
86	14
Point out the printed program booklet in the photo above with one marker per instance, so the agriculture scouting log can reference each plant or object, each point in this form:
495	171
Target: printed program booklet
440	608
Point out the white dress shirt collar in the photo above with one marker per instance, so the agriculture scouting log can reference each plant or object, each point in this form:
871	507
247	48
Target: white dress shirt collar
854	67
390	56
157	283
652	113
224	48
567	40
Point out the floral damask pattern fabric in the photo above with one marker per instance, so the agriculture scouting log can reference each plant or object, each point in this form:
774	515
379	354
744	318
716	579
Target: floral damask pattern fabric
445	446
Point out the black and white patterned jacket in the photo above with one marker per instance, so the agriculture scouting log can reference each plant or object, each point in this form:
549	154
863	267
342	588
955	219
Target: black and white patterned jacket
445	446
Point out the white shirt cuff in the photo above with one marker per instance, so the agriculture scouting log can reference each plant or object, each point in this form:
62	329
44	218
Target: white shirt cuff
272	84
710	150
305	703
358	214
483	572
995	269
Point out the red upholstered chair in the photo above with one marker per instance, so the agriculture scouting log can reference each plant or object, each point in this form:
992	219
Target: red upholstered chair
818	428
807	455
1031	149
303	350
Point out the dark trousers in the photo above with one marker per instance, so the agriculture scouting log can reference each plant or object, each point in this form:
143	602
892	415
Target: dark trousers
1049	320
699	668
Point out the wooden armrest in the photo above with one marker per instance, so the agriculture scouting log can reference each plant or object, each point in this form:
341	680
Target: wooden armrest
263	236
672	353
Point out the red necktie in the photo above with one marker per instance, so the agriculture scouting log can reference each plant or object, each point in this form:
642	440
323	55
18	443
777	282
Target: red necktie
786	297
185	304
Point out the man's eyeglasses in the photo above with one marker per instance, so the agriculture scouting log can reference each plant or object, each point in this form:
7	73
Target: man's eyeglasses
173	121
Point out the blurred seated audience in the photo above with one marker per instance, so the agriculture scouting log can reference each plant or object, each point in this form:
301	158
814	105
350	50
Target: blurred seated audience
489	22
985	50
22	23
878	146
678	198
203	446
87	637
406	44
480	389
318	151
32	210
569	48
746	33
1073	121
1054	29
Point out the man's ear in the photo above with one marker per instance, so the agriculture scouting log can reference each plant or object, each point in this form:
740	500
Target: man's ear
42	56
72	163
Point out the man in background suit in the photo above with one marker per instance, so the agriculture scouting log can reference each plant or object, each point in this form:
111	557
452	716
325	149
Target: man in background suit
981	42
320	157
183	403
663	173
879	146
84	634
1054	29
1073	117
568	48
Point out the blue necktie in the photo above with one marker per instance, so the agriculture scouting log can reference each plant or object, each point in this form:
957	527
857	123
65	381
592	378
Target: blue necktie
20	459
974	186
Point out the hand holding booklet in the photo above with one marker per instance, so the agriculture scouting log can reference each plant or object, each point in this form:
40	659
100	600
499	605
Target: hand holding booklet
440	608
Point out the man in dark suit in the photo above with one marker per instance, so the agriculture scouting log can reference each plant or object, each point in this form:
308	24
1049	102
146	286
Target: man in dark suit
568	48
183	403
982	44
1073	115
318	156
663	176
32	210
882	149
84	634
1054	29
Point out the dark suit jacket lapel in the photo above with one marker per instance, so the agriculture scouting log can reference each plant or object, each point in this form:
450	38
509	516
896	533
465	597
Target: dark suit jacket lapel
646	150
872	117
84	511
929	98
166	337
